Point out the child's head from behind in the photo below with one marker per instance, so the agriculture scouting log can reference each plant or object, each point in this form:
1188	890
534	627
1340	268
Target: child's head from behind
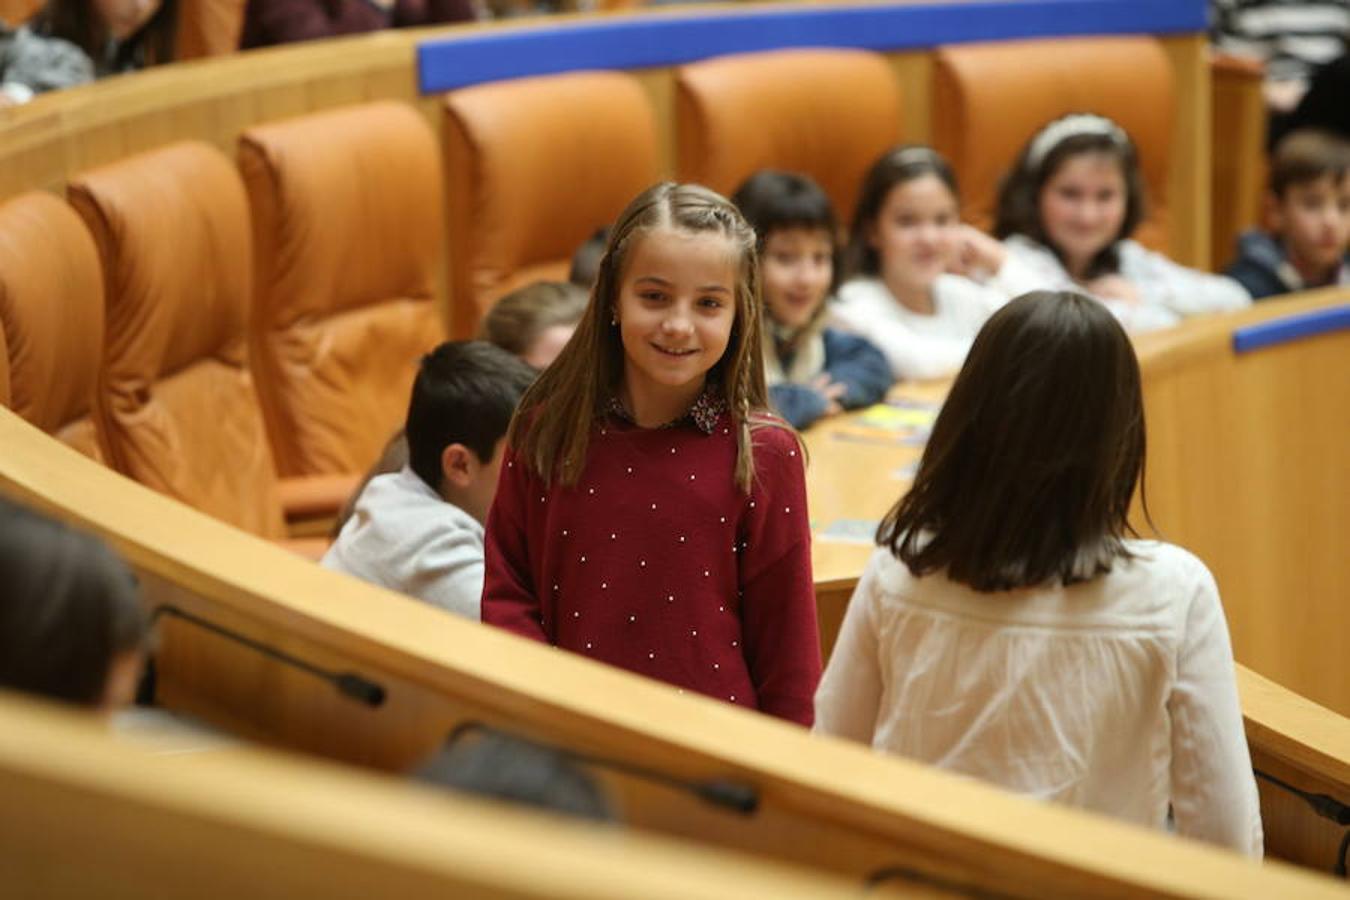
1309	200
462	402
586	259
797	240
536	321
71	624
1032	463
1076	188
675	307
904	228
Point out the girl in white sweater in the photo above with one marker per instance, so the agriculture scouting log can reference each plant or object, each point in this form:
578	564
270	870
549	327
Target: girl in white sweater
1012	628
908	262
1067	211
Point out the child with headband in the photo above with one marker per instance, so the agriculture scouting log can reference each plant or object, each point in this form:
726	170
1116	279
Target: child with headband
908	260
1068	209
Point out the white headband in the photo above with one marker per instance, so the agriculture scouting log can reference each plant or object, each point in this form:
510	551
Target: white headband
1052	135
906	156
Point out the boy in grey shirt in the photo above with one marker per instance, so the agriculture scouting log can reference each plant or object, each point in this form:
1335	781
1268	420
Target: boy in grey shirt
419	531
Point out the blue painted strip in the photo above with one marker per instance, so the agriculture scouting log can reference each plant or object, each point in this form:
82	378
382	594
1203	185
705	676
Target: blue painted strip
660	40
1292	328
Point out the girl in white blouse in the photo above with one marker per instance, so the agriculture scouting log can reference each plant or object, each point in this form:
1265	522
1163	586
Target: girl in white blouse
915	271
1008	628
1067	210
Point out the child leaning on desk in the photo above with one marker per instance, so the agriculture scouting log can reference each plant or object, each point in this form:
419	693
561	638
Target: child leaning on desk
1011	626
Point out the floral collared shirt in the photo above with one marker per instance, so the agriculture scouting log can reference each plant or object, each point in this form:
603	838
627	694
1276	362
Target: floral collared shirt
703	414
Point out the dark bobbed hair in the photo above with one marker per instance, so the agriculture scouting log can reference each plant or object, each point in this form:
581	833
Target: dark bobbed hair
1307	155
77	22
518	318
586	259
895	167
511	769
1019	194
68	608
465	393
773	201
1033	461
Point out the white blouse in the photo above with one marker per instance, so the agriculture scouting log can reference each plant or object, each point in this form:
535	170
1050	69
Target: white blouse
1168	291
1117	695
918	346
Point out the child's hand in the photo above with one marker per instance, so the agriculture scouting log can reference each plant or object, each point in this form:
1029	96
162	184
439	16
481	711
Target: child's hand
1114	287
976	252
832	391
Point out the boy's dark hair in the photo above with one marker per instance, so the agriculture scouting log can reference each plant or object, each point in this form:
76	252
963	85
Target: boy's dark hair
1304	156
1019	194
773	201
894	167
586	259
518	318
465	393
507	768
68	608
1033	461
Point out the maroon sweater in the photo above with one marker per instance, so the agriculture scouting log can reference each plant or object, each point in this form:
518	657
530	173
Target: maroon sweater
268	22
657	563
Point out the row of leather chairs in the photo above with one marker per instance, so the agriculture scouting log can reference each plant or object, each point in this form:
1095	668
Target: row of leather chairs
292	296
230	336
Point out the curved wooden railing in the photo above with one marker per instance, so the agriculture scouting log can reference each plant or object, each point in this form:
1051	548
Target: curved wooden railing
88	813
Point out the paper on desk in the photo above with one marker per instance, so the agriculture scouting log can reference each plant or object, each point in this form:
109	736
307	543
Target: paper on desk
850	531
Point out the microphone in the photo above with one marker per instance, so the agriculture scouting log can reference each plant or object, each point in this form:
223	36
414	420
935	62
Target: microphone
733	796
349	684
1326	806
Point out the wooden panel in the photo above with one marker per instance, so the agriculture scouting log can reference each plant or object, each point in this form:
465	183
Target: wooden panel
88	814
1188	185
1238	138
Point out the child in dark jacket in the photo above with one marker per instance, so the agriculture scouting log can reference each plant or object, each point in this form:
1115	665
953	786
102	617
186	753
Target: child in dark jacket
813	371
1308	208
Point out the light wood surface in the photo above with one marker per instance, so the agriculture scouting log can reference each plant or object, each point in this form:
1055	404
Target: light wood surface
90	814
824	803
1238	137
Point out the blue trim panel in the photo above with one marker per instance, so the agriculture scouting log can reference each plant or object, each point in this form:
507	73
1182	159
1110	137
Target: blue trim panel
659	40
1292	328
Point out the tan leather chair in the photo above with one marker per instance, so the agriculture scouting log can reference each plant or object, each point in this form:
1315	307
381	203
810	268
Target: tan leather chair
989	99
175	398
533	167
824	113
51	318
208	28
348	247
16	12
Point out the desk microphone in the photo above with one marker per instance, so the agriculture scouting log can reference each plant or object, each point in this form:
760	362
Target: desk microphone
349	684
1326	806
733	796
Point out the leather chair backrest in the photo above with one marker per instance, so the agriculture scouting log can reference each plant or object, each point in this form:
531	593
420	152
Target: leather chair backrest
348	247
208	28
534	166
16	12
989	99
51	317
175	400
828	114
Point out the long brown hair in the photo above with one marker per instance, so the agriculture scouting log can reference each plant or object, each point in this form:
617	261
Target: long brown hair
1032	462
552	428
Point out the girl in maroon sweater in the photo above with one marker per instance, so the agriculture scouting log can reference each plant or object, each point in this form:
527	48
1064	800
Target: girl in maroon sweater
651	513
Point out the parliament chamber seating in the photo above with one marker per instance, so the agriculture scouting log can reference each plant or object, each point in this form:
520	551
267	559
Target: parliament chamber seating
176	403
989	99
822	804
533	167
348	251
51	319
826	113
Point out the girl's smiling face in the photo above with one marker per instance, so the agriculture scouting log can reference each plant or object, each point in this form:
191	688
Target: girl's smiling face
914	232
1082	207
676	306
797	266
